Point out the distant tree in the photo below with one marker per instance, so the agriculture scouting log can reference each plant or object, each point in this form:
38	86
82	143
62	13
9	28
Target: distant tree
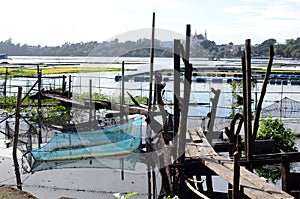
140	48
263	48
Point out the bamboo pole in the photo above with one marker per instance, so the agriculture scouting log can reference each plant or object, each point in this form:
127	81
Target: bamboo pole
90	100
244	101
15	140
176	90
151	62
122	108
248	123
64	84
262	95
5	84
187	43
187	91
39	107
148	132
70	82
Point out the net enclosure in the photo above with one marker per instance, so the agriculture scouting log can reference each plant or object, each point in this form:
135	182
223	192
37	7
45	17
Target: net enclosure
284	108
97	148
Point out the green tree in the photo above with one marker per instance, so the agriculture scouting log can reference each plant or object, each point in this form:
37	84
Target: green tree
274	129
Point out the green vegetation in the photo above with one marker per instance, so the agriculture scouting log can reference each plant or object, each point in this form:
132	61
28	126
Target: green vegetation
237	96
274	129
53	113
122	196
291	48
55	70
104	97
95	96
141	48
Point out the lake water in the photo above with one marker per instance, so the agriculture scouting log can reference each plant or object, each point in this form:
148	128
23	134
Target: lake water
102	183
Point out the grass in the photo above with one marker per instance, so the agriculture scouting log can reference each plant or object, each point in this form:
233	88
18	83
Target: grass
55	70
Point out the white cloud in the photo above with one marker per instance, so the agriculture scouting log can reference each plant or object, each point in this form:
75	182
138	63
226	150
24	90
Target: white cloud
57	21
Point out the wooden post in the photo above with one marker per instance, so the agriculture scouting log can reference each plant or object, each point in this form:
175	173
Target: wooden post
63	84
148	133
209	184
7	135
176	87
91	98
213	112
248	121
151	62
244	100
236	176
5	84
69	97
285	173
187	90
15	140
187	43
262	95
29	144
122	111
39	107
70	90
122	169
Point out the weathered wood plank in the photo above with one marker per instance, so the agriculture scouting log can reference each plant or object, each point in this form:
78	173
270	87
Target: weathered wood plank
253	186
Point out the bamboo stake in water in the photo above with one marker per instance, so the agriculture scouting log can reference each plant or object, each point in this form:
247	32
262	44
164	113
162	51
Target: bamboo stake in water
149	167
15	140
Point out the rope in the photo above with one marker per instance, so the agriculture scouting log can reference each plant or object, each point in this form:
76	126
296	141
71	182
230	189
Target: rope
195	181
195	190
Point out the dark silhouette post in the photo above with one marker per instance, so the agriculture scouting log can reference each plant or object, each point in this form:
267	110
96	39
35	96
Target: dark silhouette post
176	89
150	172
236	176
247	101
15	140
262	95
39	107
187	90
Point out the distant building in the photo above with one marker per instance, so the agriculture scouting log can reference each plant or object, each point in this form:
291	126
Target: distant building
199	37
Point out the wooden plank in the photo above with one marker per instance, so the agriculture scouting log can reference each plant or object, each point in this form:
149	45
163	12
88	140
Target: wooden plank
248	177
253	186
192	152
60	98
251	190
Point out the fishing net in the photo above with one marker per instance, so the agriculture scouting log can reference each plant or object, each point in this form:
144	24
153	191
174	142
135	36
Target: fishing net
108	147
285	108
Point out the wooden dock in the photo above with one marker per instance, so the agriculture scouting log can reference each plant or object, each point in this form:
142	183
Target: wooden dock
200	153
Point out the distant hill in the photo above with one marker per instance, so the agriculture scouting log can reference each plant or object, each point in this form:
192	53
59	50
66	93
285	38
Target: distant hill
141	48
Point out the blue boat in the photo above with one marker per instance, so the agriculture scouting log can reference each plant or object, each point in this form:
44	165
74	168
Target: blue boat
3	56
111	141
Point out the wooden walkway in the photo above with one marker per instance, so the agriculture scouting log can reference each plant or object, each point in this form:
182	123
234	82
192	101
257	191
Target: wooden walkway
199	150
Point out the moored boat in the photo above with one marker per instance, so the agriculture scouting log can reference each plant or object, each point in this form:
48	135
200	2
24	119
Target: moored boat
3	56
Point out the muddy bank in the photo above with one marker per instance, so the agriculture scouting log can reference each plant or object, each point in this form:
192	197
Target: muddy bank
13	193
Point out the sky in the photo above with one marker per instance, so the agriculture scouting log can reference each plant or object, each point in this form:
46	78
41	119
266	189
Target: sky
55	22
